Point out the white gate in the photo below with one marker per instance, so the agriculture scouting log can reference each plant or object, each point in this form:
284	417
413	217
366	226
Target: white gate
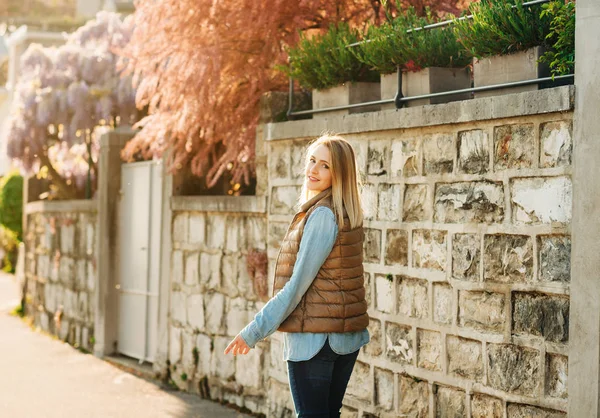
139	261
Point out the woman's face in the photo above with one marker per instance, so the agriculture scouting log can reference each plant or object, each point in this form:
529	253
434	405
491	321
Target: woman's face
318	169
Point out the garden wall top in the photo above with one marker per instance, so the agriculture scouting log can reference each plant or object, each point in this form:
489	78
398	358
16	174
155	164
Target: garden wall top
245	204
62	206
558	99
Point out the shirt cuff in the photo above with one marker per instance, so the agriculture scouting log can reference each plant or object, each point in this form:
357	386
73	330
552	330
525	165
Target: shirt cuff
250	334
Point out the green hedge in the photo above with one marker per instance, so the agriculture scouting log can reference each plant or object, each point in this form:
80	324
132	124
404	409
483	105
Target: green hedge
11	203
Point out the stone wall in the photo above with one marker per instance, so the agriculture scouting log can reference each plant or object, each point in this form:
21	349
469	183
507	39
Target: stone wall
60	268
213	296
467	254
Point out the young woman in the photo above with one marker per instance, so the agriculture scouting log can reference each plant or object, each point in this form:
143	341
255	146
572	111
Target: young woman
319	301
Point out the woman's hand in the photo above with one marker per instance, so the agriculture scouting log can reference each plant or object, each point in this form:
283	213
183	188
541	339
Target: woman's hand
238	346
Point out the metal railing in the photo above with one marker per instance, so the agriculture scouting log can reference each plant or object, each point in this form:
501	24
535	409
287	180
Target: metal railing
399	99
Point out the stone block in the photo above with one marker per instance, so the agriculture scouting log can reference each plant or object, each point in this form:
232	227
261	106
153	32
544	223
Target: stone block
396	251
348	412
405	159
222	365
429	249
413	400
197	228
83	313
90	237
374	348
412	297
70	303
239	314
50	297
369	201
483	311
450	403
438	154
360	385
384	389
210	270
541	200
174	345
464	358
191	269
67	238
91	276
215	231
556	144
398	343
473	152
484	406
195	311
442	303
542	315
214	304
514	146
204	348
178	307
469	202
372	245
188	361
177	270
255	233
557	368
66	270
466	256
554	258
513	369
507	258
389	202
298	153
43	266
279	161
416	206
429	349
277	232
80	275
368	292
384	293
530	411
248	369
378	158
229	276
180	227
283	200
233	231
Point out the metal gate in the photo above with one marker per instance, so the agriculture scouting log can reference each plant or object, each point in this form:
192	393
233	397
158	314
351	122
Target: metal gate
139	260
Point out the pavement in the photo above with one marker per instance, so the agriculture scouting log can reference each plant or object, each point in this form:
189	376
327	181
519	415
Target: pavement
42	377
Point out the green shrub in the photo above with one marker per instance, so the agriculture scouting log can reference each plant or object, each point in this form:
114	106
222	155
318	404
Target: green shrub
325	61
9	245
11	203
561	37
389	46
498	28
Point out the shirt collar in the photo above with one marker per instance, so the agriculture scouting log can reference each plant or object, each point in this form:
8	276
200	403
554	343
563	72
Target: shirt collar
312	201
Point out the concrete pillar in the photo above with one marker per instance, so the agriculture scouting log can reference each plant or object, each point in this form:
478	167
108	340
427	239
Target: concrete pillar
107	249
584	326
162	349
89	8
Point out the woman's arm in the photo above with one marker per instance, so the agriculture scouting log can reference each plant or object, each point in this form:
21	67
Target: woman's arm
317	241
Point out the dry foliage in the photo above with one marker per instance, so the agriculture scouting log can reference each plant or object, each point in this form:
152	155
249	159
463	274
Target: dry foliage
201	67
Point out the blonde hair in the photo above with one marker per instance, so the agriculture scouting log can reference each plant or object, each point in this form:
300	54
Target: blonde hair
345	179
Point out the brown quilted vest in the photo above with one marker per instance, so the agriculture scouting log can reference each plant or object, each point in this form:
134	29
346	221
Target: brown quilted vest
335	301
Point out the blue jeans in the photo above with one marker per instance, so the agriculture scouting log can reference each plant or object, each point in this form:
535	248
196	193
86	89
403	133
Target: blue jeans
318	385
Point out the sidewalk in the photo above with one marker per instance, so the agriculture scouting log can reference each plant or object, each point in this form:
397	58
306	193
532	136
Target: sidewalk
44	378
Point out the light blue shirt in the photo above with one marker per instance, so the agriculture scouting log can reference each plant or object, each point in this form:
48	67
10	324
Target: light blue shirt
318	237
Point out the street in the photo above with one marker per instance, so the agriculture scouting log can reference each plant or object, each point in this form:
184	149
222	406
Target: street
42	377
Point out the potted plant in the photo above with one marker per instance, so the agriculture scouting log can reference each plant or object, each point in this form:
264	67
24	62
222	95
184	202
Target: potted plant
431	61
325	64
560	55
507	39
